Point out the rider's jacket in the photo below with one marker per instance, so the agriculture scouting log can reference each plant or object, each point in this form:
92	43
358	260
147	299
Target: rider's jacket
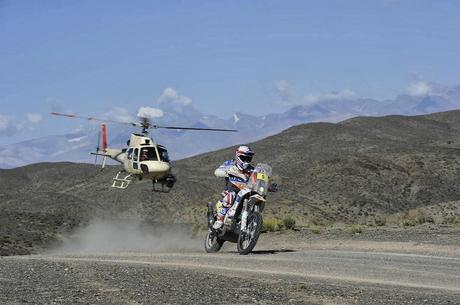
235	178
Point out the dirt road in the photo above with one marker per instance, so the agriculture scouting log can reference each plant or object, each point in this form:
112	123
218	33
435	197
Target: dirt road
269	276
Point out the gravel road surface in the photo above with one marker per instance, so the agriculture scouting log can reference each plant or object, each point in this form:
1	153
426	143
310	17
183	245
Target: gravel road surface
267	276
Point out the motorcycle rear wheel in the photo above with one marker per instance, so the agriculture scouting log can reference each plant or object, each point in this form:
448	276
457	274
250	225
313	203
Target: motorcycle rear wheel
247	241
212	243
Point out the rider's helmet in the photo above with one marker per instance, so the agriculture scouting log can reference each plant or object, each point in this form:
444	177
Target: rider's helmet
243	157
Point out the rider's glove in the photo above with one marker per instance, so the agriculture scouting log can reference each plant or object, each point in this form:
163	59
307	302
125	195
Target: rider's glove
273	187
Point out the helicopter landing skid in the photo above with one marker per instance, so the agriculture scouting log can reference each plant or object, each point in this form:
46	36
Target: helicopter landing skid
121	180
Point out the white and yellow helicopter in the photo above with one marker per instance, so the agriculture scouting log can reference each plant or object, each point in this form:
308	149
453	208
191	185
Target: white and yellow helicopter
143	158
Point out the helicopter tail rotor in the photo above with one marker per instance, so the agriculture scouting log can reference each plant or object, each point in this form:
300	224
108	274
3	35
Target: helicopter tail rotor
101	151
104	143
104	137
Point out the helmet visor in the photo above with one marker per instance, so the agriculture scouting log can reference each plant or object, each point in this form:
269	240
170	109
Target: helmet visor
246	159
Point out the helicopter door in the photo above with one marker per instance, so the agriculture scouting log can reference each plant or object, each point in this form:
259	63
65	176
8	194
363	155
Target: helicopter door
135	159
163	153
129	160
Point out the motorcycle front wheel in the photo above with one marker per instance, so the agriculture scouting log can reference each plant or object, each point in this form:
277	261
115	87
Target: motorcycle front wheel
248	240
212	243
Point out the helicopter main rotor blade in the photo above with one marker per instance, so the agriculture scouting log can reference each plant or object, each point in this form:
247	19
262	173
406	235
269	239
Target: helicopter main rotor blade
73	116
144	124
193	128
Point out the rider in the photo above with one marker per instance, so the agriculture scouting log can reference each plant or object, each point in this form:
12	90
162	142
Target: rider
236	173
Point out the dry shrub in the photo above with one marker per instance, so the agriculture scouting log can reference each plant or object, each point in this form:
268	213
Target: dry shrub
411	217
315	229
355	229
417	217
380	221
271	225
289	222
455	220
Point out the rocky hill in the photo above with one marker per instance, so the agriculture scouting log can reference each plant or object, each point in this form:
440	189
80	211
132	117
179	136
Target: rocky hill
361	170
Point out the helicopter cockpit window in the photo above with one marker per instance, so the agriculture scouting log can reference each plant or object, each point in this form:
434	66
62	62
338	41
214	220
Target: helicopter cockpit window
163	154
136	153
148	154
130	154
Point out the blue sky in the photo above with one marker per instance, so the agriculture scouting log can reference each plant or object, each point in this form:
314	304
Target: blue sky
91	56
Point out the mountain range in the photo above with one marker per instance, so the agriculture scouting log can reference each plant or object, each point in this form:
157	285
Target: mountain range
75	146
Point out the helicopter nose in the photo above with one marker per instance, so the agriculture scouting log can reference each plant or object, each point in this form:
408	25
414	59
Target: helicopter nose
155	167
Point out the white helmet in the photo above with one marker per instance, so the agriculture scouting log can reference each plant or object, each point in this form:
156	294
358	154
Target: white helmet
243	157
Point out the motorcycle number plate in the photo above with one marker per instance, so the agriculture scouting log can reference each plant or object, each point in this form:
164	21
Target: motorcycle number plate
262	176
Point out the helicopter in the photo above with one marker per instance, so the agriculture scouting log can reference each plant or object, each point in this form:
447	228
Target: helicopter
143	158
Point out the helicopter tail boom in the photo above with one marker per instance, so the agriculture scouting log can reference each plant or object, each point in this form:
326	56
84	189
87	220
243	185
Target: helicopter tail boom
112	153
104	151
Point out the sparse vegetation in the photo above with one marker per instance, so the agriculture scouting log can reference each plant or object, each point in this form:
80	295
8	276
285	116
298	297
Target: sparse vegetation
355	229
271	225
417	217
289	222
455	220
274	224
380	221
315	229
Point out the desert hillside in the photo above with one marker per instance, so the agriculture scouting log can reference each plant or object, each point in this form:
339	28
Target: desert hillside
367	170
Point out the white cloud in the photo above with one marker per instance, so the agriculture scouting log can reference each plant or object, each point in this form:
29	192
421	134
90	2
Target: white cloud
34	117
171	96
345	94
284	92
9	125
287	97
149	112
120	114
5	122
418	89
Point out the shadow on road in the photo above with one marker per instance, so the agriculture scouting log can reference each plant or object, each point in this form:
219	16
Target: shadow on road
257	252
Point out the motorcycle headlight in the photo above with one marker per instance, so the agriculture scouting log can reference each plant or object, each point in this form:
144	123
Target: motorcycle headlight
261	189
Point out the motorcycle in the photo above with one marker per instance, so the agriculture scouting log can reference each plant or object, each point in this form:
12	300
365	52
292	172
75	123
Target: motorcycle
243	221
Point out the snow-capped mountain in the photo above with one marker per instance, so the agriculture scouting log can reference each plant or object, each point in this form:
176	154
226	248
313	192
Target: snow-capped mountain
76	146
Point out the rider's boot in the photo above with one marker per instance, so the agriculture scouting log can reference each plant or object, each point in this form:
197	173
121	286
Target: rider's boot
219	222
220	216
222	207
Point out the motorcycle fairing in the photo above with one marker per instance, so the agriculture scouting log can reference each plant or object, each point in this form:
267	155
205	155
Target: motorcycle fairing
238	182
241	194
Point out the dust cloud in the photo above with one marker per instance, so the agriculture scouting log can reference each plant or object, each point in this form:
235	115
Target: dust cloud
127	236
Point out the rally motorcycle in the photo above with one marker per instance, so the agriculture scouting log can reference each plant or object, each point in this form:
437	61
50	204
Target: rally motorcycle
243	221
